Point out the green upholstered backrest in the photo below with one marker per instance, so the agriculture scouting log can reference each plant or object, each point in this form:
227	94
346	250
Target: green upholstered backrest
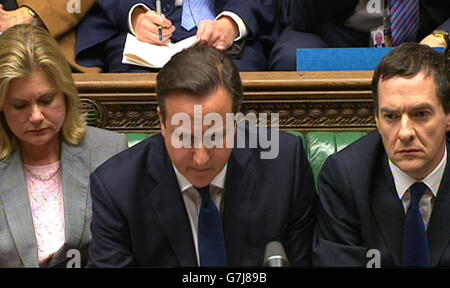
318	145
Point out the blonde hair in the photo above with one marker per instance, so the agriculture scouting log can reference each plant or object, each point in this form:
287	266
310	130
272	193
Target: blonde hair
25	49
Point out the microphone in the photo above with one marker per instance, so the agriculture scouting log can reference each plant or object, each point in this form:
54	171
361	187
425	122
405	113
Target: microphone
275	256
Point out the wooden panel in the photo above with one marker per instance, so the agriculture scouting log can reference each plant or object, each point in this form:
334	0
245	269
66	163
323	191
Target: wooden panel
304	101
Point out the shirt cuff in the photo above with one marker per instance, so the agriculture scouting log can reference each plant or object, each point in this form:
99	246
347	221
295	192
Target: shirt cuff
131	13
239	22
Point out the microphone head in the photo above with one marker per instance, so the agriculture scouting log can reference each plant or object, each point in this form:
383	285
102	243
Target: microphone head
275	256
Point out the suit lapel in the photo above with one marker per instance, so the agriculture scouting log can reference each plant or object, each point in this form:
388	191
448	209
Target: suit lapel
388	210
75	169
439	225
168	204
17	209
240	183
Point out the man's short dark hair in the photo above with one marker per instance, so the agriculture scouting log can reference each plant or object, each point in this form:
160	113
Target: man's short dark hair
408	60
199	71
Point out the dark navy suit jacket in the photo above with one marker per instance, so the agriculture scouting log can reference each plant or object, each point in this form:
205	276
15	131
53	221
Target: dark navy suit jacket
307	15
359	209
139	216
111	18
9	4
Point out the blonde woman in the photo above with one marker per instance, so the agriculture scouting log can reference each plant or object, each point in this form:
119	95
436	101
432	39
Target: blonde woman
46	154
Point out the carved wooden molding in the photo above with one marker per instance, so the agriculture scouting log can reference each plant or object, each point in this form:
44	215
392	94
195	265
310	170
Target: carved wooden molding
304	101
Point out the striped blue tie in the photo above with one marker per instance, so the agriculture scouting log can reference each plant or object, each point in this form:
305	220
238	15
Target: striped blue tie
415	240
404	20
195	11
211	241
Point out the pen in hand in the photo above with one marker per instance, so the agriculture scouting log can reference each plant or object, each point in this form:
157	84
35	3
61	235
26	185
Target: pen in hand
158	11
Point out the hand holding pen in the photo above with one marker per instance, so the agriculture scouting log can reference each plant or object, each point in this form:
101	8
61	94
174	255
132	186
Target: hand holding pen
150	27
158	11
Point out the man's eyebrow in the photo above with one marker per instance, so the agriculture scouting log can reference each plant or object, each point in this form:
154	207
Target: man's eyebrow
388	110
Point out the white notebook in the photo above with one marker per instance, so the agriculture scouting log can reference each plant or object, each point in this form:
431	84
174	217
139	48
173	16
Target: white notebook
144	54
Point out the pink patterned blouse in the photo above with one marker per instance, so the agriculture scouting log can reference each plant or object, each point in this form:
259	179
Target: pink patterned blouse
45	190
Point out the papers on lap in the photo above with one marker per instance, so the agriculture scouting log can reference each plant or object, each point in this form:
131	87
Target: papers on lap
148	55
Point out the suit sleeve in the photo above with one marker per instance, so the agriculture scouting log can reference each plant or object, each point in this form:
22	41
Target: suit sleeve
110	246
337	236
258	15
55	15
300	227
117	10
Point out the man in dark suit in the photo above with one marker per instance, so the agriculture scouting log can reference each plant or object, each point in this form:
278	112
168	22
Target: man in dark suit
388	194
148	202
247	30
348	23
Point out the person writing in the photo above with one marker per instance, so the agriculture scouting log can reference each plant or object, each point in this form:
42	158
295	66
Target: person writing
247	30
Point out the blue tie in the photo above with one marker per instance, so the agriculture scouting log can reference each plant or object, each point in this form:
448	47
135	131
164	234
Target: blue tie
211	241
415	241
404	20
195	11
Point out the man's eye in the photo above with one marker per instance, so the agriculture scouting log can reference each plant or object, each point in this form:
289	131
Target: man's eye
390	116
421	114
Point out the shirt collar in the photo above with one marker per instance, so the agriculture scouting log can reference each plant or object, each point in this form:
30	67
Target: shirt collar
433	180
184	184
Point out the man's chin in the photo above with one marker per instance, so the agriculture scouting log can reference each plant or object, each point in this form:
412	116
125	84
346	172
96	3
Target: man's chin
413	168
200	180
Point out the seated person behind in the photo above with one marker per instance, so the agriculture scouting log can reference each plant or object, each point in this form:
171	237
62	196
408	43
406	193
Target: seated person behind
349	23
171	201
60	18
46	154
102	34
390	191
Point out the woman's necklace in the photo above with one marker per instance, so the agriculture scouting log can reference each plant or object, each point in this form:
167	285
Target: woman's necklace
38	177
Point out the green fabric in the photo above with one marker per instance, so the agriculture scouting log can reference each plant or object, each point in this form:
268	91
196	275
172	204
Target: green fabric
320	145
135	138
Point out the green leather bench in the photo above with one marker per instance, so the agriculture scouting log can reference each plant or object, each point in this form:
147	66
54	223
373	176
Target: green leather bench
318	145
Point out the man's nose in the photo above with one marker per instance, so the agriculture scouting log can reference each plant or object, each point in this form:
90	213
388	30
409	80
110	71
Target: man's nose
407	132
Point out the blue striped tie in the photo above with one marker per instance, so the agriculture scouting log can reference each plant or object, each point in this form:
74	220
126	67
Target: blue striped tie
211	241
404	20
415	240
195	11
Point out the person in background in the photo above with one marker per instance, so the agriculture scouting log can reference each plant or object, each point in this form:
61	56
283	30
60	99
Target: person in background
388	194
46	154
245	29
349	23
60	18
196	204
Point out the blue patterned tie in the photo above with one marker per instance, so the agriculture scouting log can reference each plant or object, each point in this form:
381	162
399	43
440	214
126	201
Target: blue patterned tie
211	241
415	241
404	20
195	11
